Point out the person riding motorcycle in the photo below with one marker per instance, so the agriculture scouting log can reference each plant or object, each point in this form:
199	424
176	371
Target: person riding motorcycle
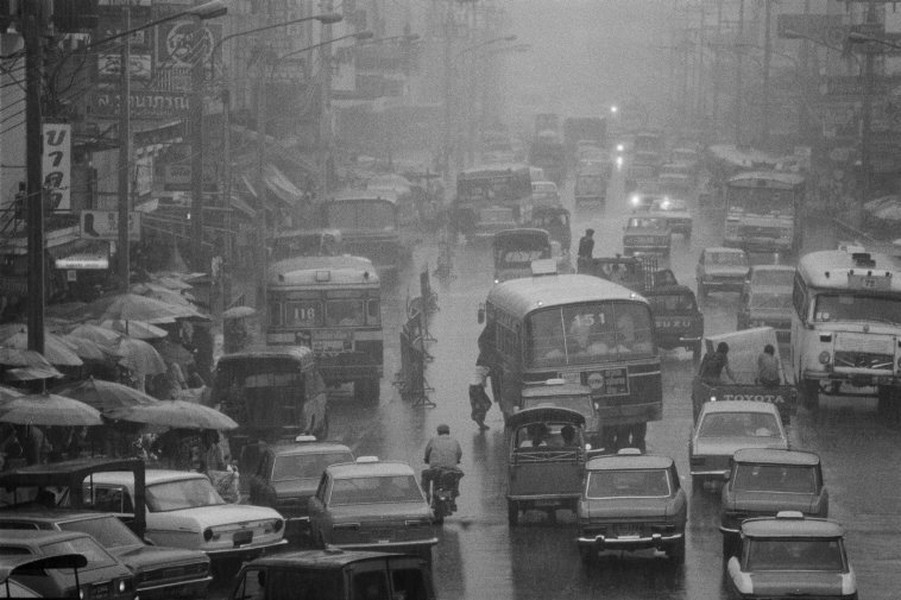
442	454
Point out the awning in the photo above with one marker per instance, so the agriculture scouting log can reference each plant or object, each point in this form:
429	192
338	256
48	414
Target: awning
277	183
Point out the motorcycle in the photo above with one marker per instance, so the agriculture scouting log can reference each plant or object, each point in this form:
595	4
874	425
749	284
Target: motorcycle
443	492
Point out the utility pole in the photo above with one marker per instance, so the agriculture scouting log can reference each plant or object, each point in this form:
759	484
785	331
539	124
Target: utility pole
448	87
325	100
767	60
738	67
32	29
717	70
867	114
124	164
262	257
197	202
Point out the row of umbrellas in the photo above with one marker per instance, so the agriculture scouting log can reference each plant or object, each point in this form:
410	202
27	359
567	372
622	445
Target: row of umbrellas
886	208
85	402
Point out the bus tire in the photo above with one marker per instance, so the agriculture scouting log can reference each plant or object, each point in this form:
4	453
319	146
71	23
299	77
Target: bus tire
810	394
887	401
512	513
367	390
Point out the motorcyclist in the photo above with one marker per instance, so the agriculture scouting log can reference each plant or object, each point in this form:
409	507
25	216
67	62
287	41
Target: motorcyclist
442	453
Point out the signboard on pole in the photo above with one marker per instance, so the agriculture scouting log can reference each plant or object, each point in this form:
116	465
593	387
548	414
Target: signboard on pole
57	165
104	225
145	104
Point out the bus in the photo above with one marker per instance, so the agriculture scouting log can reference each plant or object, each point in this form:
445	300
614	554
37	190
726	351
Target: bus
763	210
492	198
369	226
331	304
846	325
584	330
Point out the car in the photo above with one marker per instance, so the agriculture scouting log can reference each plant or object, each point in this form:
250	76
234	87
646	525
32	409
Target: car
678	321
791	556
104	575
646	235
675	177
641	201
766	299
675	212
721	269
159	571
632	501
724	426
184	510
762	482
11	566
335	574
563	394
372	504
285	476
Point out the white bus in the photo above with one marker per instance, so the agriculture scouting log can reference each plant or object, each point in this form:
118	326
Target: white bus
846	325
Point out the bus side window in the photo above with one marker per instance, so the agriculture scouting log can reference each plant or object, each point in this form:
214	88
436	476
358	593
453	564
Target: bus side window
799	299
373	316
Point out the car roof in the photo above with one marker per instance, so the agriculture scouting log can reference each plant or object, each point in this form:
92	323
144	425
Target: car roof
35	538
52	515
151	476
787	268
331	558
353	470
776	456
296	449
617	462
739	406
780	527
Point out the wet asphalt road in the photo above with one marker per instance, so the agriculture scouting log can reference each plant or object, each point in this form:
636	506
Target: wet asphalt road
480	557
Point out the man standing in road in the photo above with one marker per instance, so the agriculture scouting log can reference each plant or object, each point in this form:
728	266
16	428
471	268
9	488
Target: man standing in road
586	245
768	367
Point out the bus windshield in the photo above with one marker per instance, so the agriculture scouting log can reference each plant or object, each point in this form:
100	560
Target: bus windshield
589	184
361	214
761	201
589	333
851	307
483	187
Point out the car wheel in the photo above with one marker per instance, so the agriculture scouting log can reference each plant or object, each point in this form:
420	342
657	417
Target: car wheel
512	512
810	394
728	546
587	554
676	552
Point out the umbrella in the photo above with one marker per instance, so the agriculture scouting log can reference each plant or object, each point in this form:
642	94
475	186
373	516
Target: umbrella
96	333
239	312
89	349
134	307
140	357
47	409
31	373
135	329
152	290
105	395
172	283
8	392
17	357
56	350
173	352
177	414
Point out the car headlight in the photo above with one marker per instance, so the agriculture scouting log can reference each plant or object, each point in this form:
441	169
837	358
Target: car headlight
275	527
122	586
208	535
824	357
635	200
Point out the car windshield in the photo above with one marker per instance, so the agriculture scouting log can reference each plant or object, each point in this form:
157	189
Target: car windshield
637	483
375	490
853	307
94	552
182	494
738	424
772	277
770	301
306	466
786	554
668	205
787	479
670	303
727	259
109	531
361	214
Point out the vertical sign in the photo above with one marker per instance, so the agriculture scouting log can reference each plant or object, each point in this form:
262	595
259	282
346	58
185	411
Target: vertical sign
58	165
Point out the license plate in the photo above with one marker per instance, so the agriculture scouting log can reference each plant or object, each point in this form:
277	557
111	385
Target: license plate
101	591
242	537
546	503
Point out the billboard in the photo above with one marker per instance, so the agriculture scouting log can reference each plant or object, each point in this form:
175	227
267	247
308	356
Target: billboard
104	225
57	165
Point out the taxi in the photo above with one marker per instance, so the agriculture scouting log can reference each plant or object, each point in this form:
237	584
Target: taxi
791	556
632	501
371	504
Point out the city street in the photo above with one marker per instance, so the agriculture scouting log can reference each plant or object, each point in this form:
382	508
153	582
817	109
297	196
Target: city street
479	556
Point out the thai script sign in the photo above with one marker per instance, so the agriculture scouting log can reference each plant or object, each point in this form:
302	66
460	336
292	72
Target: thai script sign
144	104
57	165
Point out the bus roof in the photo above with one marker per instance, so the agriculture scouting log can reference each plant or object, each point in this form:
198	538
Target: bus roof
834	269
522	296
752	178
322	270
497	169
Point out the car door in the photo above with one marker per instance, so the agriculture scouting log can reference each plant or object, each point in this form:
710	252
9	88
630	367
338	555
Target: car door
317	510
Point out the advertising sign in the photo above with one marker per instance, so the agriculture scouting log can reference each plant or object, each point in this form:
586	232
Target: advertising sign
109	67
182	43
144	104
57	165
104	225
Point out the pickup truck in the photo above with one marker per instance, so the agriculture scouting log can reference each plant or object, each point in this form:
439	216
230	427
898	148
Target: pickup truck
744	348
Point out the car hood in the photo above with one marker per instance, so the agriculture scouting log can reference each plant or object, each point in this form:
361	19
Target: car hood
629	508
140	558
210	516
797	583
380	512
768	501
726	271
728	446
295	488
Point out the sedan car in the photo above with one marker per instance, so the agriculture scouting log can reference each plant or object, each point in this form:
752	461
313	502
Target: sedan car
726	426
372	504
159	572
286	476
631	502
676	214
791	556
104	576
764	482
721	270
647	235
641	201
184	510
766	299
